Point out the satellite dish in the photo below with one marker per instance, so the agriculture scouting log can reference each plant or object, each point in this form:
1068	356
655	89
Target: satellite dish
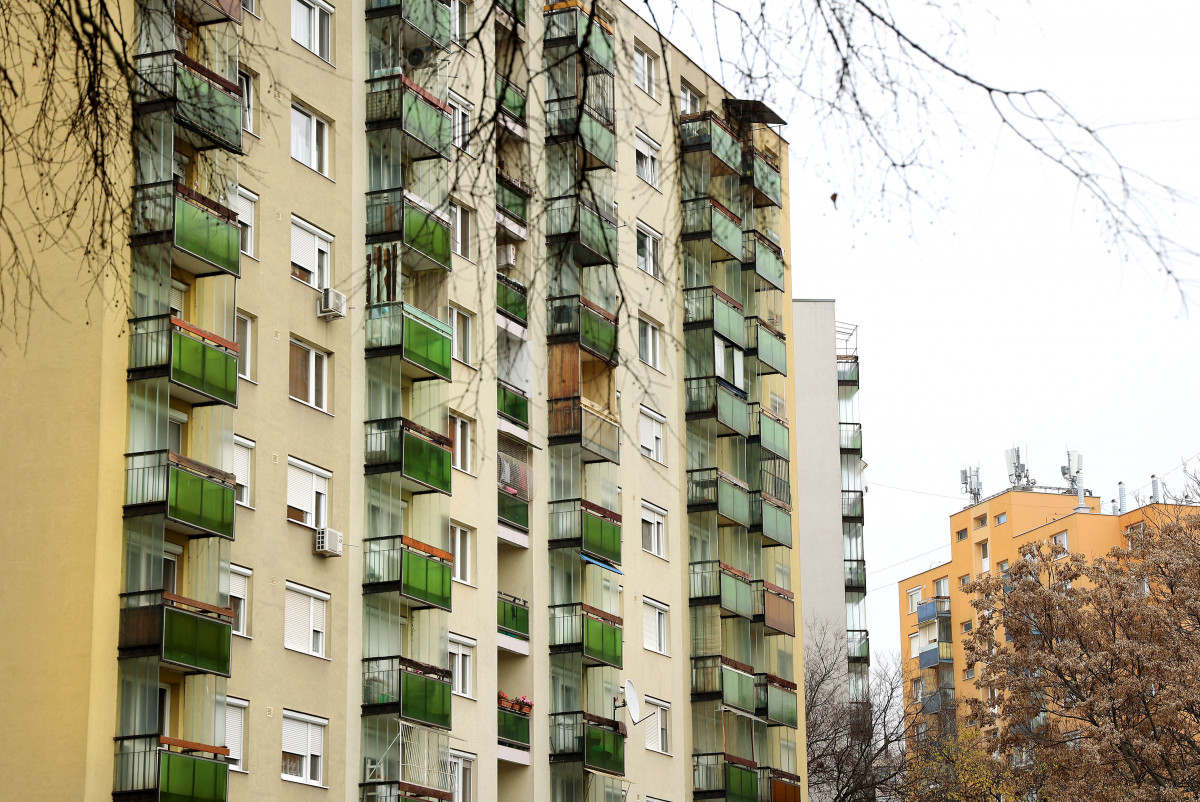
632	701
416	56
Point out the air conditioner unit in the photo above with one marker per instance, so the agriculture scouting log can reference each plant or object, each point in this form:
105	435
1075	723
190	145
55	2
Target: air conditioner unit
506	256
327	543
332	303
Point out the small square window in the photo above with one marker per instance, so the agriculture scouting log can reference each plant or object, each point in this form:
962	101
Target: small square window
1001	518
307	493
961	534
914	598
460	123
649	337
689	100
981	521
964	579
650	431
304	619
646	159
1060	540
239	598
311	24
310	139
643	70
649	250
968	673
658	725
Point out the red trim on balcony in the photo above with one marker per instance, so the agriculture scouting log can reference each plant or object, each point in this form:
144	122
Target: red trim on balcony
740	761
224	211
423	94
184	601
432	551
720	208
596	509
778	591
429	434
600	614
729	569
193	746
207	74
180	323
200	468
742	667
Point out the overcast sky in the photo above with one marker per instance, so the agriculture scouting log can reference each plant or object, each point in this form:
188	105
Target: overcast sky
997	314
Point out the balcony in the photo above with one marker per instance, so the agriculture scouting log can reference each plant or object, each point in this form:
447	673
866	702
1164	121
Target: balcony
594	738
775	607
201	366
858	645
512	616
198	499
512	300
704	217
936	702
711	397
775	785
567	119
403	760
515	9
935	653
512	209
929	609
759	252
775	700
422	339
593	236
406	565
712	675
142	766
575	318
856	575
709	487
428	18
512	728
512	510
578	626
579	419
207	106
421	456
186	634
710	305
205	235
768	345
512	101
769	478
734	776
852	504
595	529
421	693
710	580
850	438
847	370
587	34
707	131
763	175
772	432
512	404
425	232
771	519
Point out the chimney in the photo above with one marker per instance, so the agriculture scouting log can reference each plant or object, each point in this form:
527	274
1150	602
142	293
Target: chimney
1155	489
1121	495
1115	509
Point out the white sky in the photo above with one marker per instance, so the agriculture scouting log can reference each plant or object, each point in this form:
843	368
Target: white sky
1004	319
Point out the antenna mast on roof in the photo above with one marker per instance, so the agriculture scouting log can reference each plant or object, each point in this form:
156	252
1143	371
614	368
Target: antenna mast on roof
970	483
1018	473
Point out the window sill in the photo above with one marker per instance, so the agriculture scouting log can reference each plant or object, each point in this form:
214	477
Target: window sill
463	696
652	554
246	637
464	471
249	256
309	654
464	584
652	186
244	506
239	771
301	781
656	276
314	169
308	284
655	368
465	152
251	133
311	406
465	364
641	89
654	651
247	379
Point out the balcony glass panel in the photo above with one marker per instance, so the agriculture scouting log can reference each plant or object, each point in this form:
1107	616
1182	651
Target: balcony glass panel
741	784
711	133
774	522
733	501
852	504
590	37
513	405
707	304
185	778
858	644
511	99
766	179
430	18
391	441
856	577
737	689
847	371
597	236
425	339
850	437
601	641
205	368
425	699
779	613
601	537
512	617
213	109
196	641
706	397
511	202
598	334
603	749
773	435
772	353
426	579
779	704
514	8
767	263
512	728
512	510
512	299
208	235
701	217
565	118
428	233
199	501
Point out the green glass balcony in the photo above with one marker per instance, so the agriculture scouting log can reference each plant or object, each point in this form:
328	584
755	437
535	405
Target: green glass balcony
511	99
709	579
603	749
204	367
199	502
588	34
594	237
512	728
429	18
601	641
566	120
425	699
512	405
512	300
425	233
512	510
741	784
767	262
425	579
598	334
512	616
701	216
423	340
207	234
708	304
775	702
512	201
772	433
709	132
765	178
708	486
208	107
196	641
772	353
422	117
707	397
514	8
601	536
737	689
201	366
187	778
422	457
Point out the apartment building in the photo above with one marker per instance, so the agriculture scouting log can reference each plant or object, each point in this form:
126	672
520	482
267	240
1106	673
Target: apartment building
279	440
828	431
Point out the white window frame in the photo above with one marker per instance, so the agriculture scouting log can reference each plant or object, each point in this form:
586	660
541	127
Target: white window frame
461	430
462	666
660	615
658	731
657	518
656	450
317	34
969	673
461	111
247	475
246	83
647	154
245	346
246	206
649	342
176	419
310	138
318	516
914	598
914	645
462	764
318	631
689	99
248	6
241	617
460	549
460	21
941	584
1002	518
461	342
316	732
460	221
651	263
644	69
171	554
321	271
730	362
318	361
235	723
1060	539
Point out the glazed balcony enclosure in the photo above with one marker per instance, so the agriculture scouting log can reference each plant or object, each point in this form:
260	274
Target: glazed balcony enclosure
427	22
710	305
929	609
852	504
197	499
775	607
207	106
511	100
149	767
718	772
847	370
418	692
768	345
512	616
577	626
770	519
770	431
421	456
705	218
512	728
760	254
512	299
512	200
596	530
201	366
515	9
591	234
856	575
403	759
935	653
413	568
512	510
718	675
576	318
183	633
858	645
586	34
761	173
707	131
425	232
712	397
777	786
714	581
595	739
709	488
204	234
512	404
775	700
420	338
583	421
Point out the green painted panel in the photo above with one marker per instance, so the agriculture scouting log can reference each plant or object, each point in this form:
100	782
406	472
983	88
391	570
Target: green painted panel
512	727
598	335
512	405
737	689
772	351
184	778
203	367
425	345
425	580
512	510
782	707
773	435
200	502
602	641
733	502
426	462
603	749
601	537
208	107
512	301
425	699
741	784
428	234
512	618
737	596
207	236
196	641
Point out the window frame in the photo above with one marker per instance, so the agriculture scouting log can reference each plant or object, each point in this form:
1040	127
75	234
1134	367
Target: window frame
314	596
316	134
320	28
646	151
914	598
662	625
305	778
461	447
686	91
460	220
662	725
245	349
248	445
460	23
459	344
462	763
644	69
321	274
462	682
238	762
650	336
318	518
461	112
961	534
653	258
247	87
914	644
658	528
941	583
1065	540
246	228
460	550
316	359
1001	518
241	615
658	450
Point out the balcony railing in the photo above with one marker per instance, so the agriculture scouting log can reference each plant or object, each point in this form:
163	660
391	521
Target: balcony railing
706	217
512	616
406	755
775	785
512	404
771	350
709	132
711	579
847	370
596	529
511	99
707	397
141	765
765	178
199	499
719	772
512	728
512	510
936	702
598	634
183	632
929	609
856	574
852	504
938	652
850	437
594	235
205	233
423	118
709	486
428	17
768	264
422	692
710	675
566	117
599	435
422	230
512	299
775	699
423	340
194	360
777	607
205	103
858	644
514	9
420	455
421	577
772	432
772	520
511	199
589	35
594	738
708	304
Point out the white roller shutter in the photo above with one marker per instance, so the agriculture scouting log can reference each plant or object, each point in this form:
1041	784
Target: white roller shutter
652	728
241	463
304	248
316	740
297	620
318	615
234	721
239	585
245	209
295	736
320	484
650	627
300	489
177	295
646	432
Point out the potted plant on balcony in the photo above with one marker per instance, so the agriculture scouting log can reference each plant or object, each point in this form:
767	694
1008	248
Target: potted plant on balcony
524	705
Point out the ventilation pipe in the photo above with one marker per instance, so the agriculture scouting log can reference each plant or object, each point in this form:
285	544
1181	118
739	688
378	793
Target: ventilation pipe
1121	495
1115	509
1155	489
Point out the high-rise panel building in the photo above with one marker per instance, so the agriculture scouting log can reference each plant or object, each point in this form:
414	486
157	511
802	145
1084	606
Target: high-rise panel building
447	356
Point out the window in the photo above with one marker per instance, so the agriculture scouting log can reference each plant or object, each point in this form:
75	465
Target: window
964	579
460	548
918	688
968	673
654	625
248	5
246	84
985	563
244	336
654	520
650	430
649	335
245	209
460	335
914	645
961	534
730	362
170	562
1003	567
304	619
462	767
646	160
311	21
657	725
460	443
1001	518
460	230
239	598
460	123
235	727
243	460
462	665
643	70
1060	540
307	493
175	422
310	137
914	598
459	25
649	249
967	626
310	254
941	587
981	521
689	100
307	374
303	747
